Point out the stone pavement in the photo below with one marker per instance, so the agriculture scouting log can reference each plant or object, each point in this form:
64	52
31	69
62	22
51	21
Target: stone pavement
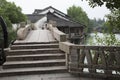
58	76
38	36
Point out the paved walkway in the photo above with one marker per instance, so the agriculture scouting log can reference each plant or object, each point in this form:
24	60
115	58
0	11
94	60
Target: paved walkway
38	36
58	76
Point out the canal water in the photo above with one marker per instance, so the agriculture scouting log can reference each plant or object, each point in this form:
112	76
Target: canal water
91	40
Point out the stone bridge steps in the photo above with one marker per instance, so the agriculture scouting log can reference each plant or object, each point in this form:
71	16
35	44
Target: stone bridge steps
33	70
34	46
39	63
25	43
34	58
34	51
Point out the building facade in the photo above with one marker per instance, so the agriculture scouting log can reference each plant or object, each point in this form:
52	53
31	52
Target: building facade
73	29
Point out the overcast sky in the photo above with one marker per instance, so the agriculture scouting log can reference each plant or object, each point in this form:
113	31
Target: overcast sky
28	6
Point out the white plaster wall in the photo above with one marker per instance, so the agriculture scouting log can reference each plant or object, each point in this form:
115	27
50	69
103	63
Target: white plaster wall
40	23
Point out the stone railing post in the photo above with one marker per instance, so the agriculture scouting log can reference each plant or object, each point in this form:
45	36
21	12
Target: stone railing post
23	31
66	46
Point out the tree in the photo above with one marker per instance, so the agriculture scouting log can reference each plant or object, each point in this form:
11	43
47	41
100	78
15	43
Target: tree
96	24
11	11
77	13
11	14
113	20
111	4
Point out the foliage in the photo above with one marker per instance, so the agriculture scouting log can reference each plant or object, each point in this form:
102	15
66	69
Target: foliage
11	14
1	35
111	4
95	24
106	39
11	11
113	20
78	14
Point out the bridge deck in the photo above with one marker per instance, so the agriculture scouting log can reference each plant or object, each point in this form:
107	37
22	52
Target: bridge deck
43	36
38	36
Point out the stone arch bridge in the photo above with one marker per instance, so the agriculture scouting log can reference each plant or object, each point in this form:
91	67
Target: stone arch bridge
47	50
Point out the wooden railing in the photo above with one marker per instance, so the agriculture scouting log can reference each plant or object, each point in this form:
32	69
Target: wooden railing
93	61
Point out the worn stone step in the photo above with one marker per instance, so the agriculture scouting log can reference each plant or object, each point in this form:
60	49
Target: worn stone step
34	70
24	43
40	63
33	57
34	46
33	51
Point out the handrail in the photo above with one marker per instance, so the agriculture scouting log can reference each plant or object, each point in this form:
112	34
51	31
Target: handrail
59	35
5	33
93	61
23	31
4	39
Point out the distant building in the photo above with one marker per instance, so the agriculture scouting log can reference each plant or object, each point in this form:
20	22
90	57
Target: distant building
62	21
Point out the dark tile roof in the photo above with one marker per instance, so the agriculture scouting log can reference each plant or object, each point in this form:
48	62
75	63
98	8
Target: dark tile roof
63	21
61	18
37	11
34	17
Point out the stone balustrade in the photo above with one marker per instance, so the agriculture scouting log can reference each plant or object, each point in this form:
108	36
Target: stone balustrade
65	46
23	31
59	35
92	61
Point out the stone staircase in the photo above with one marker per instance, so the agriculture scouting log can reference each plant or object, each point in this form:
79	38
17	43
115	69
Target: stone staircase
33	59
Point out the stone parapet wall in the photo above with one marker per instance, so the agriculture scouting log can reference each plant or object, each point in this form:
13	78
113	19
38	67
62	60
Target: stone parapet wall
59	35
65	46
23	32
